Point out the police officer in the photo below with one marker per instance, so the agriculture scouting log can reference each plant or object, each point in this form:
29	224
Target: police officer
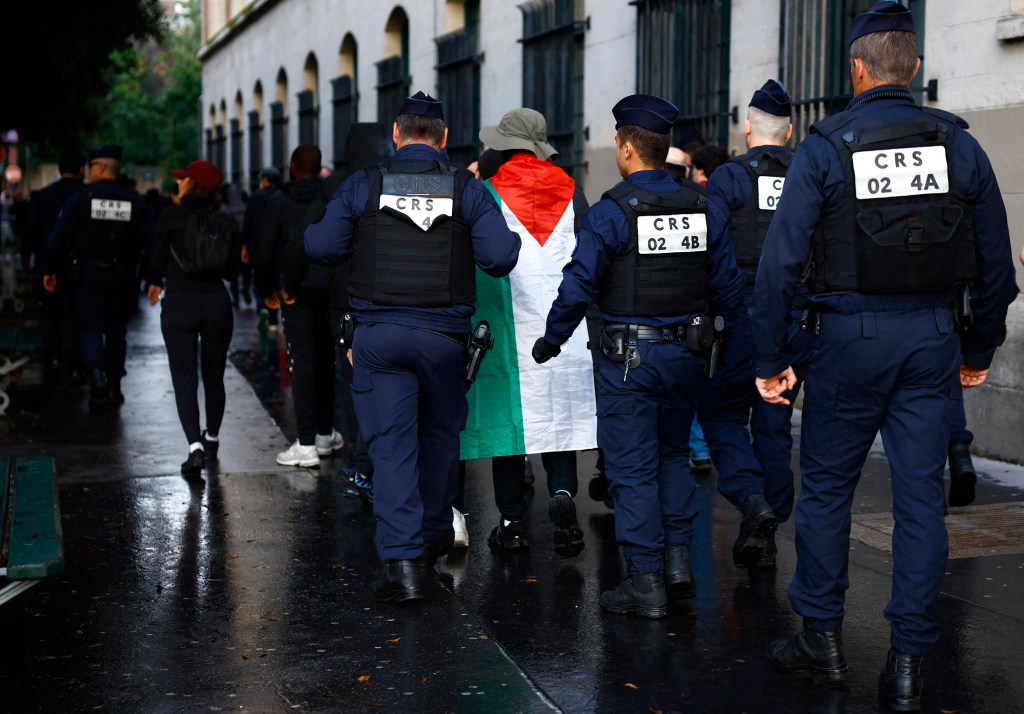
54	307
650	253
891	206
104	229
414	226
754	471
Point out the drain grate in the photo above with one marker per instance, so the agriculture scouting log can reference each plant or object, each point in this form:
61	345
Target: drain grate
974	531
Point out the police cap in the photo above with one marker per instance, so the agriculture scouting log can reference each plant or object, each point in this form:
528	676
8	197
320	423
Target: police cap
885	16
110	151
646	111
424	104
773	98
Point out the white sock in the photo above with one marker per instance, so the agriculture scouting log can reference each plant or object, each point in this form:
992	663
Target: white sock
195	446
211	437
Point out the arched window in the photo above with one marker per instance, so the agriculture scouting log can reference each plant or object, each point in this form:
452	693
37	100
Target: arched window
344	97
393	70
309	103
279	122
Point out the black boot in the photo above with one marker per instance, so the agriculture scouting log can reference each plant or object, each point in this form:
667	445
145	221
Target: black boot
195	463
210	447
901	681
678	575
758	522
511	537
568	536
598	489
99	390
642	594
811	653
962	476
401	581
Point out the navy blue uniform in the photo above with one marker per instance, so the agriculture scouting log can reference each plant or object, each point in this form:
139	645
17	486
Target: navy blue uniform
644	415
408	379
882	362
758	461
106	227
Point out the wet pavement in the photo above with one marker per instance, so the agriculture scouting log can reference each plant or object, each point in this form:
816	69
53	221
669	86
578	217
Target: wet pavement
249	591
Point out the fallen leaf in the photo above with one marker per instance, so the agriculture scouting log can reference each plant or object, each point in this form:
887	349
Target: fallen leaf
365	678
263	654
391	642
424	679
233	555
336	566
245	656
947	711
483	637
528	581
630	685
722	670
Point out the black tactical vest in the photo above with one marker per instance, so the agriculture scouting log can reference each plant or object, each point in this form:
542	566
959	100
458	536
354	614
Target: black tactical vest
662	272
749	225
902	227
412	247
112	234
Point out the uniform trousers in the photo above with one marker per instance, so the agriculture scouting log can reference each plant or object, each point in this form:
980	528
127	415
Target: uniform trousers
197	329
409	391
104	301
643	429
311	353
751	441
894	372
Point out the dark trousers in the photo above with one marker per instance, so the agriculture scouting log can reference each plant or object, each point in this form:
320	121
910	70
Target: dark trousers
960	434
311	361
643	428
751	441
410	395
197	332
508	472
54	313
898	373
103	303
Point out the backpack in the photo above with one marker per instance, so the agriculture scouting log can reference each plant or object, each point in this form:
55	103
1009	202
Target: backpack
205	246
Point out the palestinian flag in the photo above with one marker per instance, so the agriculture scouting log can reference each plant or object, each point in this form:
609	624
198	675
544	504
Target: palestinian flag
517	406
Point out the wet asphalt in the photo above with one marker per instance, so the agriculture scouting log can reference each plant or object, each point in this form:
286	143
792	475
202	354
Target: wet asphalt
248	591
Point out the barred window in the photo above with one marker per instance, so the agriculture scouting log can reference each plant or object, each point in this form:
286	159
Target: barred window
343	100
309	130
683	56
278	135
815	57
220	146
553	75
458	87
236	152
392	87
255	150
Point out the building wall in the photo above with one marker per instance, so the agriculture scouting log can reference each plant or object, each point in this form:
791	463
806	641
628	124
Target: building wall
980	77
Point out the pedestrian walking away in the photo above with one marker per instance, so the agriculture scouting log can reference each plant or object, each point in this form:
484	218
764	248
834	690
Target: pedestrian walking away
892	210
197	248
413	212
652	253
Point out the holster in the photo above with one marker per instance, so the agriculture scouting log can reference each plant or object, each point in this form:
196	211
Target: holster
347	330
963	313
480	343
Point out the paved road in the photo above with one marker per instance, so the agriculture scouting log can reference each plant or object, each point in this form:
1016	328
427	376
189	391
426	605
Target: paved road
249	591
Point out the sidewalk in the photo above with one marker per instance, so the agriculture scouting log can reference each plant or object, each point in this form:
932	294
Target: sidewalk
250	592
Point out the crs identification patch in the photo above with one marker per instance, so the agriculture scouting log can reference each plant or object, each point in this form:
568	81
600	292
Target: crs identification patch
105	209
769	191
890	173
421	198
676	233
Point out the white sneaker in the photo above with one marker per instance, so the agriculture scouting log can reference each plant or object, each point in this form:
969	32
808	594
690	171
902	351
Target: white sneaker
459	524
327	444
299	455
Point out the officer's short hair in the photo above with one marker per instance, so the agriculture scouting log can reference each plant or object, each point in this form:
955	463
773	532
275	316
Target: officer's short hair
419	127
651	147
307	159
769	126
890	57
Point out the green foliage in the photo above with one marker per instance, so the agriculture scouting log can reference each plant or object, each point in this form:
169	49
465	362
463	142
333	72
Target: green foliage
152	107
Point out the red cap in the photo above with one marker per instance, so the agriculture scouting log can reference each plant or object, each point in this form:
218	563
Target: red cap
202	172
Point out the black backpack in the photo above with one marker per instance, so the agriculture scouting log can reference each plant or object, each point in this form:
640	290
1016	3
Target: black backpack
205	245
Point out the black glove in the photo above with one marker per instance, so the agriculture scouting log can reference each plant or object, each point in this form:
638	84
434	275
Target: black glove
544	350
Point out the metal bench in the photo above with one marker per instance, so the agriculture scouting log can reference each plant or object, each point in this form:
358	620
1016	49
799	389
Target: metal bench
32	547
